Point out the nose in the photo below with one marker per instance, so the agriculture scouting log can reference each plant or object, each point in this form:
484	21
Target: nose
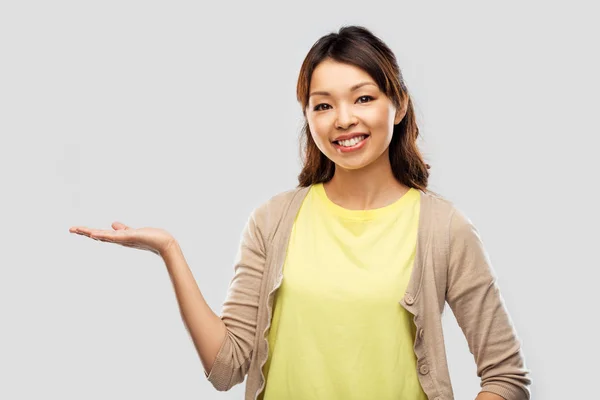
345	118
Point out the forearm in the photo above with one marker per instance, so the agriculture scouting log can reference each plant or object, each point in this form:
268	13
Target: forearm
206	329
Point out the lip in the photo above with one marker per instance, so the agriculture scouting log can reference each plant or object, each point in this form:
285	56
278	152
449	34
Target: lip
350	136
356	147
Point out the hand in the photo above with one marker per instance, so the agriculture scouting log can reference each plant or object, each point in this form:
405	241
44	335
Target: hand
155	240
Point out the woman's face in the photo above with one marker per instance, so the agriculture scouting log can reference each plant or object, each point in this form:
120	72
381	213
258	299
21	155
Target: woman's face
350	119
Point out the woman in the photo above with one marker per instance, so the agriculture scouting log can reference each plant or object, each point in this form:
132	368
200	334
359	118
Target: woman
340	283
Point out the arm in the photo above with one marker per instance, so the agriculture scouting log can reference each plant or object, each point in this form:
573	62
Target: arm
206	329
224	343
478	306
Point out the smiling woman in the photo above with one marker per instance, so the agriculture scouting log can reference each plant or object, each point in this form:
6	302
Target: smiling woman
350	85
340	283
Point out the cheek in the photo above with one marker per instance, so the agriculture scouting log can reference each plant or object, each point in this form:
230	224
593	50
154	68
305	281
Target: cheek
379	118
318	131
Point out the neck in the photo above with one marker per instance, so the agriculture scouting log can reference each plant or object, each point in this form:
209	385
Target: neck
373	186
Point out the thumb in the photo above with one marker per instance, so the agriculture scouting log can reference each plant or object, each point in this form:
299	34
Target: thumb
119	226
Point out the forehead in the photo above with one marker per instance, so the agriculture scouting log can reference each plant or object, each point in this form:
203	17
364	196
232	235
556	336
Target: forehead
332	75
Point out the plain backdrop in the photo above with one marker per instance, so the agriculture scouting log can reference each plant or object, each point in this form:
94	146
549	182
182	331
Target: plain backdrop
183	116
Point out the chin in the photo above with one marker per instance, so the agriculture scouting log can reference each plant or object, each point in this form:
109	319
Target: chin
351	166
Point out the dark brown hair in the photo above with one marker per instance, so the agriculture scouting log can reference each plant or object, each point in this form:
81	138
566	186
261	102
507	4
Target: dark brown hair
357	46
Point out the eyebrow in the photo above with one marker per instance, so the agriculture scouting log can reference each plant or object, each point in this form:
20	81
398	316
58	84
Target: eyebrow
352	89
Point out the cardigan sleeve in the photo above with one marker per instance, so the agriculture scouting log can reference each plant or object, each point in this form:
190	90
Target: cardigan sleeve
240	310
474	297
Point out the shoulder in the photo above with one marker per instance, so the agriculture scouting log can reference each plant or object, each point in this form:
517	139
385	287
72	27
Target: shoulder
267	216
446	214
277	203
453	231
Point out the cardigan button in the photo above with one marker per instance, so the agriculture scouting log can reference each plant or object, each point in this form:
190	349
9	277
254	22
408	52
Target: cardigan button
409	299
424	369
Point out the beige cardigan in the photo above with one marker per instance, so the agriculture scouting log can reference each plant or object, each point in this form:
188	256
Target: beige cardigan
451	265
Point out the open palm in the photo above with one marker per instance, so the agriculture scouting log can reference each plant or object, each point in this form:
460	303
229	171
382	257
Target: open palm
155	240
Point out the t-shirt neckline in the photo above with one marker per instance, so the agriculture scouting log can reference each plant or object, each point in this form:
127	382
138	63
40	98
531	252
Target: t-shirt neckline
369	214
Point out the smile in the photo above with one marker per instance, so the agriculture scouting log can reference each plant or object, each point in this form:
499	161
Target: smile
353	144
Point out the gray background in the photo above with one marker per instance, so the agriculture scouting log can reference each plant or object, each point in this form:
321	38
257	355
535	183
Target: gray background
183	116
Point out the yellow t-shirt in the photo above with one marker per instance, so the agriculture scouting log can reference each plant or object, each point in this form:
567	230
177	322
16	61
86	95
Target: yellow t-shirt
338	331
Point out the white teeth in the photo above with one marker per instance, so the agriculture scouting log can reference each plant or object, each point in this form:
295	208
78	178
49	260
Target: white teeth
351	142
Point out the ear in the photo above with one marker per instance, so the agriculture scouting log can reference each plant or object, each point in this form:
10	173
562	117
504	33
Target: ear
400	113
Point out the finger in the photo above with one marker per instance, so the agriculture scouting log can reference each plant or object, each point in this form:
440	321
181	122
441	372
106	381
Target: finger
79	229
82	231
119	226
106	234
99	234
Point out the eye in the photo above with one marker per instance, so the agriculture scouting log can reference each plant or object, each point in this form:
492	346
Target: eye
366	97
317	107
